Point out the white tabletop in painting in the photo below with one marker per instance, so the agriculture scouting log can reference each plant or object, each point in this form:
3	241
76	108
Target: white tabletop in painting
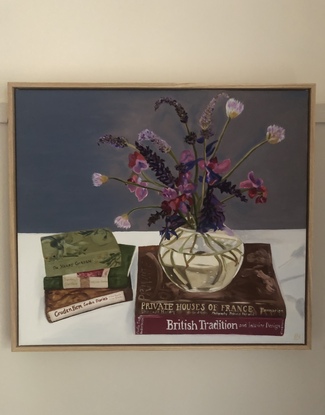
114	325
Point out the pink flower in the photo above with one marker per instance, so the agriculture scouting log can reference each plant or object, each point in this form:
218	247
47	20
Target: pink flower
256	188
137	162
184	184
186	156
215	166
214	169
123	221
99	179
174	201
275	134
180	203
251	182
140	192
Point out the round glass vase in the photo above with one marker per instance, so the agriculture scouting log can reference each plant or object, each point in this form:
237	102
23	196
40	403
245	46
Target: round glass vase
201	262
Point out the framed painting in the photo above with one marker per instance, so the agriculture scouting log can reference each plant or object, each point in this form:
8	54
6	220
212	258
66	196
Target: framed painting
148	216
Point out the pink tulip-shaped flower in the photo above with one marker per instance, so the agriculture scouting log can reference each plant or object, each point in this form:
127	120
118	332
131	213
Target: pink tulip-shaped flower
275	134
123	221
99	179
234	108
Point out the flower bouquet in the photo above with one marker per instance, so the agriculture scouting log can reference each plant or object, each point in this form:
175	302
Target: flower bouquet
198	252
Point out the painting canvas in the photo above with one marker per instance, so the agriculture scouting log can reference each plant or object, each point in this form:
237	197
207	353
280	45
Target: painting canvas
144	163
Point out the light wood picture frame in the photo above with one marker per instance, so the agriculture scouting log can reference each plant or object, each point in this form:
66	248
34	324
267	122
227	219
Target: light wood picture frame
91	156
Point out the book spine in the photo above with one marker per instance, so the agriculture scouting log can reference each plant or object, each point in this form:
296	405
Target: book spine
113	281
198	324
65	282
211	308
84	306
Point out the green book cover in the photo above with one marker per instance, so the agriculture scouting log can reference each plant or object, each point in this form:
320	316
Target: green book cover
114	278
86	250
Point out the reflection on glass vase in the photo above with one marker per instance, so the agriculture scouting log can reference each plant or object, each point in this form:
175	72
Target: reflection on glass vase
201	262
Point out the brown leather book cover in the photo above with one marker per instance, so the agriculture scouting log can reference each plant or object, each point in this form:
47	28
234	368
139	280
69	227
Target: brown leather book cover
60	304
252	299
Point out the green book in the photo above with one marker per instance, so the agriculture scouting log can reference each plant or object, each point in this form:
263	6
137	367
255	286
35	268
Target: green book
113	278
80	251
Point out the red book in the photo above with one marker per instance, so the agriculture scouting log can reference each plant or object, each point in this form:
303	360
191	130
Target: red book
251	304
198	324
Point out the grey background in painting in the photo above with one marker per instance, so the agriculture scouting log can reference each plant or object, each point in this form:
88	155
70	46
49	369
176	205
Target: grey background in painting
56	153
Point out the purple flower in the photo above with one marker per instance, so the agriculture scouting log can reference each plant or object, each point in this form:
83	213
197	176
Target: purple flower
178	107
157	165
123	221
99	179
156	216
184	185
212	214
227	187
148	135
172	222
275	134
205	120
169	194
118	142
234	108
190	138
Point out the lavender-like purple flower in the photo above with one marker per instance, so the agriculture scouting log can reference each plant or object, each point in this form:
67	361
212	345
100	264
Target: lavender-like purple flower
172	223
212	213
148	135
178	107
118	142
205	120
154	217
157	165
191	138
231	189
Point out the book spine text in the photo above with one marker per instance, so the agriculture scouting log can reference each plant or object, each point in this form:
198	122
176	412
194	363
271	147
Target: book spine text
196	324
83	306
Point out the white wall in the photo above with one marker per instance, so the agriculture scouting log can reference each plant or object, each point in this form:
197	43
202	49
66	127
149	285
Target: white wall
210	41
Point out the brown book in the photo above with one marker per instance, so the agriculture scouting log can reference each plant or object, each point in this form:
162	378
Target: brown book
251	304
60	304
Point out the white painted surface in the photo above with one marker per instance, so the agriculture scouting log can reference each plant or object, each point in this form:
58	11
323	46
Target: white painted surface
115	325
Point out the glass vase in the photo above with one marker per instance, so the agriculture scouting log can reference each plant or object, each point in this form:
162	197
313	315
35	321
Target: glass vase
201	262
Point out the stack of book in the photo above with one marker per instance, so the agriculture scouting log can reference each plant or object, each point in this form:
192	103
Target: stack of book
251	304
85	270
